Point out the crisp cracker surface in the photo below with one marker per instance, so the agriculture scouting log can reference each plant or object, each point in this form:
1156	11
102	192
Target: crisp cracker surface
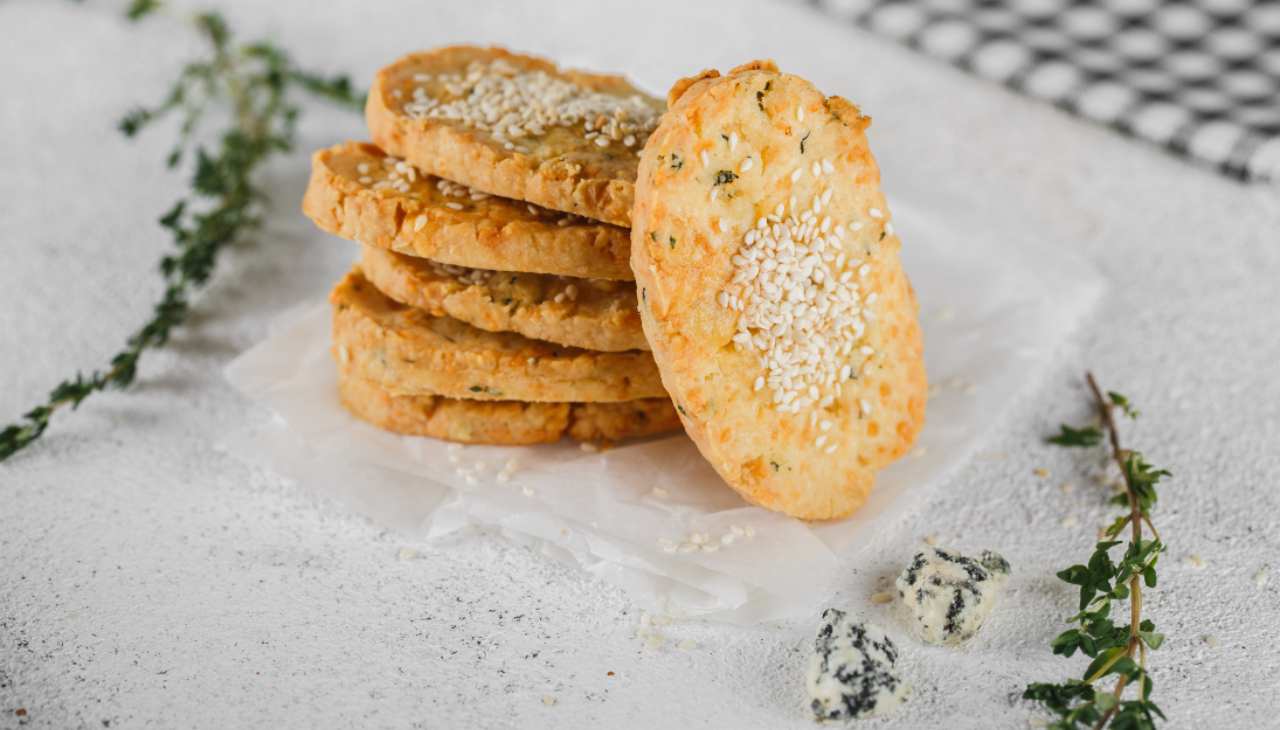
351	195
594	314
504	423
697	199
408	351
555	166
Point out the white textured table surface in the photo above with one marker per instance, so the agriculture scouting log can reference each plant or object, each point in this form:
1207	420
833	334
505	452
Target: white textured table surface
148	579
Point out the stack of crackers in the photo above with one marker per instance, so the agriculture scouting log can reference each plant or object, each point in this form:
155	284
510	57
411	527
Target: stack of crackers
493	301
508	210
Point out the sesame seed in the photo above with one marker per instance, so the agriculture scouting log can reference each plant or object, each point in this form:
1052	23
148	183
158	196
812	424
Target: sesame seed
363	168
733	140
799	114
818	442
714	193
827	167
506	101
602	141
830	449
747	164
453	206
816	169
704	157
419	222
795	176
365	179
723	226
865	405
799	315
629	140
875	213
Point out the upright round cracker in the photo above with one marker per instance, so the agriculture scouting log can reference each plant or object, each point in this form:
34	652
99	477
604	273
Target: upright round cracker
760	237
504	423
408	351
593	314
516	126
359	192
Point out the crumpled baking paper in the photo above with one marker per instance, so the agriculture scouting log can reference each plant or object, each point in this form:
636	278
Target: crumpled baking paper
653	517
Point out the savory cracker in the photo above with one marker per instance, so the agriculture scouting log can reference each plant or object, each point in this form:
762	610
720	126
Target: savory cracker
504	423
359	192
516	126
593	314
771	290
408	351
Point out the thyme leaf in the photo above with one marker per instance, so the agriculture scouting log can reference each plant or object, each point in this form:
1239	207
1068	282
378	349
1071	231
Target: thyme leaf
225	205
1114	649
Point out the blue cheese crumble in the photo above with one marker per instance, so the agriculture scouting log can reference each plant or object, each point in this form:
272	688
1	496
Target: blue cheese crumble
947	596
851	672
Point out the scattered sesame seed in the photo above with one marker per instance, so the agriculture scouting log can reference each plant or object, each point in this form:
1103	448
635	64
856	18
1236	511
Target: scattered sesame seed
733	140
365	180
1261	577
827	167
875	213
419	222
747	164
588	447
816	169
1195	561
548	700
882	597
453	206
687	644
704	157
1070	521
799	114
407	553
602	141
795	176
830	449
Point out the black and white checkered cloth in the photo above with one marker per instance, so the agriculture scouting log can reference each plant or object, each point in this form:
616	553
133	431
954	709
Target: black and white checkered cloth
1200	77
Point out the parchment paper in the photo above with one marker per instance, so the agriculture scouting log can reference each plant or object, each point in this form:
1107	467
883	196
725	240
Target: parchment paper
993	306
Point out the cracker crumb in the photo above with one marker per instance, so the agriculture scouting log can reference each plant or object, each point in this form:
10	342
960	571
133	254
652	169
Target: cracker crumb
548	700
882	597
407	553
1041	472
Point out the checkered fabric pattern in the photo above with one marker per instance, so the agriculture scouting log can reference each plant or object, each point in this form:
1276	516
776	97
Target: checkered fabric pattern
1200	77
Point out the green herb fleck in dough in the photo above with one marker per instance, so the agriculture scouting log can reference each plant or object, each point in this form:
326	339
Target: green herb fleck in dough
768	85
671	241
680	408
725	176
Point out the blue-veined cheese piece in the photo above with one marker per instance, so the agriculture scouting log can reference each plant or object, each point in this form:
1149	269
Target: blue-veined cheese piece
947	596
851	672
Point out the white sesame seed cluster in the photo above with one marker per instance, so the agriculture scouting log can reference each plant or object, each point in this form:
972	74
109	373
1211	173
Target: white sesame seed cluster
800	305
461	274
705	542
515	106
398	175
479	277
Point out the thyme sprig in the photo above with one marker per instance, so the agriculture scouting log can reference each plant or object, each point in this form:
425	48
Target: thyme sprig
225	205
1119	650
